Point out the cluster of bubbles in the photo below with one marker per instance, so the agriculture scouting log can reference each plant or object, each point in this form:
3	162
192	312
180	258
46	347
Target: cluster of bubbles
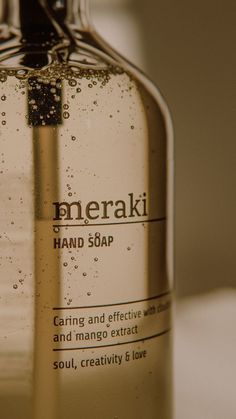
60	71
66	114
51	78
21	280
75	266
3	114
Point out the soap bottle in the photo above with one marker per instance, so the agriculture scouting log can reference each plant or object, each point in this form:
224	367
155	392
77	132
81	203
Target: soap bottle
85	223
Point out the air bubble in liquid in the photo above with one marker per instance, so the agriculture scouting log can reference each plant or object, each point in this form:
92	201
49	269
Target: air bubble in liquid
73	83
3	77
66	115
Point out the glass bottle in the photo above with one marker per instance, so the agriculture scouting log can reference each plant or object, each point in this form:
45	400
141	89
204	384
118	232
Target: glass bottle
85	223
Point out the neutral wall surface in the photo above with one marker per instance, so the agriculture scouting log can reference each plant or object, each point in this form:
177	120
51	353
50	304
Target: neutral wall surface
188	49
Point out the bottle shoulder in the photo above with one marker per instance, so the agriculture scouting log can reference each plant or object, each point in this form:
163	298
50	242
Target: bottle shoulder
108	57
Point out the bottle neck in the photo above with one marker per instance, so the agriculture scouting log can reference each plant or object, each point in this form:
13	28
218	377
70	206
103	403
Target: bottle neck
38	15
74	12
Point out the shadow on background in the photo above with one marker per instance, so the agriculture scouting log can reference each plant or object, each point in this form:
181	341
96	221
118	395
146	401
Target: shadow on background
189	51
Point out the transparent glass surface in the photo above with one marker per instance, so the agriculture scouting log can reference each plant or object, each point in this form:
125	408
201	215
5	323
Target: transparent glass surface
85	226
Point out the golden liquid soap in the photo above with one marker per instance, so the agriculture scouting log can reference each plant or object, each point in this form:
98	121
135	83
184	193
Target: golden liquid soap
85	244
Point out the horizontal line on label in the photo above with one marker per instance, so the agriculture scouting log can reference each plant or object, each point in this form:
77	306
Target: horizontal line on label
155	220
113	344
115	304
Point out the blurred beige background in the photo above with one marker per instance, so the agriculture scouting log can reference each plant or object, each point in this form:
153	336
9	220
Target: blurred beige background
188	49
